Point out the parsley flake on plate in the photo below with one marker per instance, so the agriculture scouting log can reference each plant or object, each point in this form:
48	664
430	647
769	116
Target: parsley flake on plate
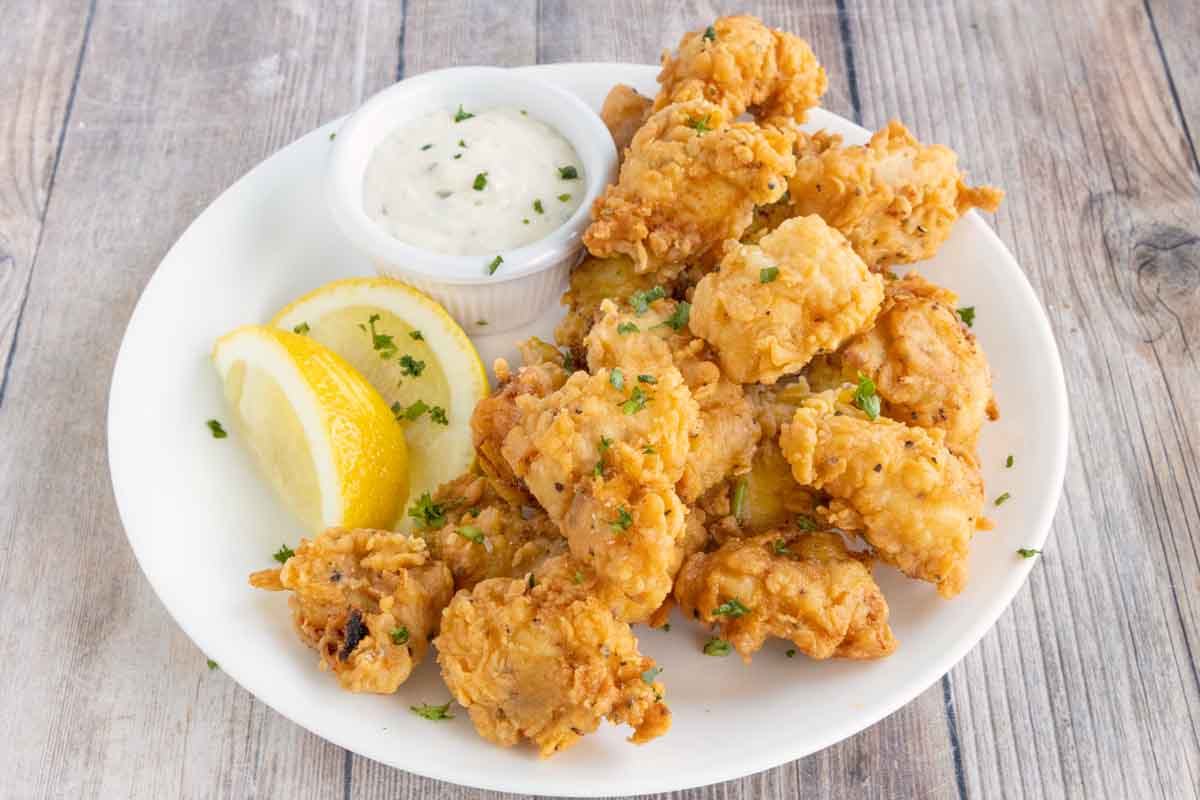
1008	462
717	647
710	34
1028	552
461	115
968	316
435	713
1004	498
212	664
283	554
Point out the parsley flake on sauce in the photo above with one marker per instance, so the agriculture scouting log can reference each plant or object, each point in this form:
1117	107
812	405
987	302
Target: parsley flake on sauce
399	635
731	608
717	647
968	316
283	554
215	428
494	264
426	146
435	713
568	173
461	115
562	198
865	397
537	206
480	182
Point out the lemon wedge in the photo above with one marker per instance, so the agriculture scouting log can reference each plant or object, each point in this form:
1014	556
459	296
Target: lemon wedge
324	439
418	358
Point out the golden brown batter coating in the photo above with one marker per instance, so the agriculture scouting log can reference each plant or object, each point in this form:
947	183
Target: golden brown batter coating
915	502
368	601
593	281
623	112
691	179
806	587
773	306
602	456
658	338
743	65
546	662
895	199
484	536
926	365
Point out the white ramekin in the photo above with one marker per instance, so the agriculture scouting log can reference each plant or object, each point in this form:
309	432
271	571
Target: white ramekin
533	275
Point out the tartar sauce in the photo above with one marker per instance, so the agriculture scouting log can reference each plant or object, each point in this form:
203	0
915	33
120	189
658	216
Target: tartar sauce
473	184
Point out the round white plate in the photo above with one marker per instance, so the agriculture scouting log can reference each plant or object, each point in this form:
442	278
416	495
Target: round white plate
200	520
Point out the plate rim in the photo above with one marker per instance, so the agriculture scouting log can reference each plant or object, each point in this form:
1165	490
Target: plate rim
933	670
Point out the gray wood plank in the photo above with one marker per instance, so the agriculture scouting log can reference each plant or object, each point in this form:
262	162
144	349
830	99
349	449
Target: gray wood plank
1175	25
41	48
1087	687
173	103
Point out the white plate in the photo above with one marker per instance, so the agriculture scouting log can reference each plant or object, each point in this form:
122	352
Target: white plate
200	520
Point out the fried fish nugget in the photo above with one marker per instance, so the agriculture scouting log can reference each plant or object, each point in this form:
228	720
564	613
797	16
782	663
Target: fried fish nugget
368	601
485	536
916	503
773	306
657	338
806	587
927	366
623	112
690	180
546	662
602	456
593	281
895	199
742	65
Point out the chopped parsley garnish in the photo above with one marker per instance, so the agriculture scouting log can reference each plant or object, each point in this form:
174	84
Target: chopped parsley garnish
411	366
301	329
577	578
426	146
768	274
623	521
562	198
1028	552
605	443
416	336
650	379
568	362
649	675
1008	462
700	124
710	33
598	469
716	647
636	402
627	327
480	182
731	608
568	173
411	412
641	300
481	322
435	713
333	136
537	206
779	547
650	451
471	534
399	635
212	664
427	513
531	581
806	523
1002	499
666	627
382	342
679	319
462	144
460	115
790	652
438	415
739	497
968	316
494	264
283	554
215	428
617	378
865	397
457	156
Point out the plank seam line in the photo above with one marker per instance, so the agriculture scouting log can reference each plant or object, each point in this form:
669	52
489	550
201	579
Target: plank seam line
960	776
1162	54
347	772
37	247
400	40
848	56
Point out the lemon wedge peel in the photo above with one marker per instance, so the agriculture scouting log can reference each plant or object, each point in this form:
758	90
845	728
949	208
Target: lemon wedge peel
357	449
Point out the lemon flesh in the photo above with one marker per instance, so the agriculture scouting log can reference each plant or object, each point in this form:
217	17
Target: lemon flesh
321	435
415	355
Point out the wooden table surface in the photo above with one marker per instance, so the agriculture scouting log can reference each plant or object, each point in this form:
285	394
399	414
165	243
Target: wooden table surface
123	120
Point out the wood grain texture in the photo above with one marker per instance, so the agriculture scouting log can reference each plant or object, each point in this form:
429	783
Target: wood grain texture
1087	686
